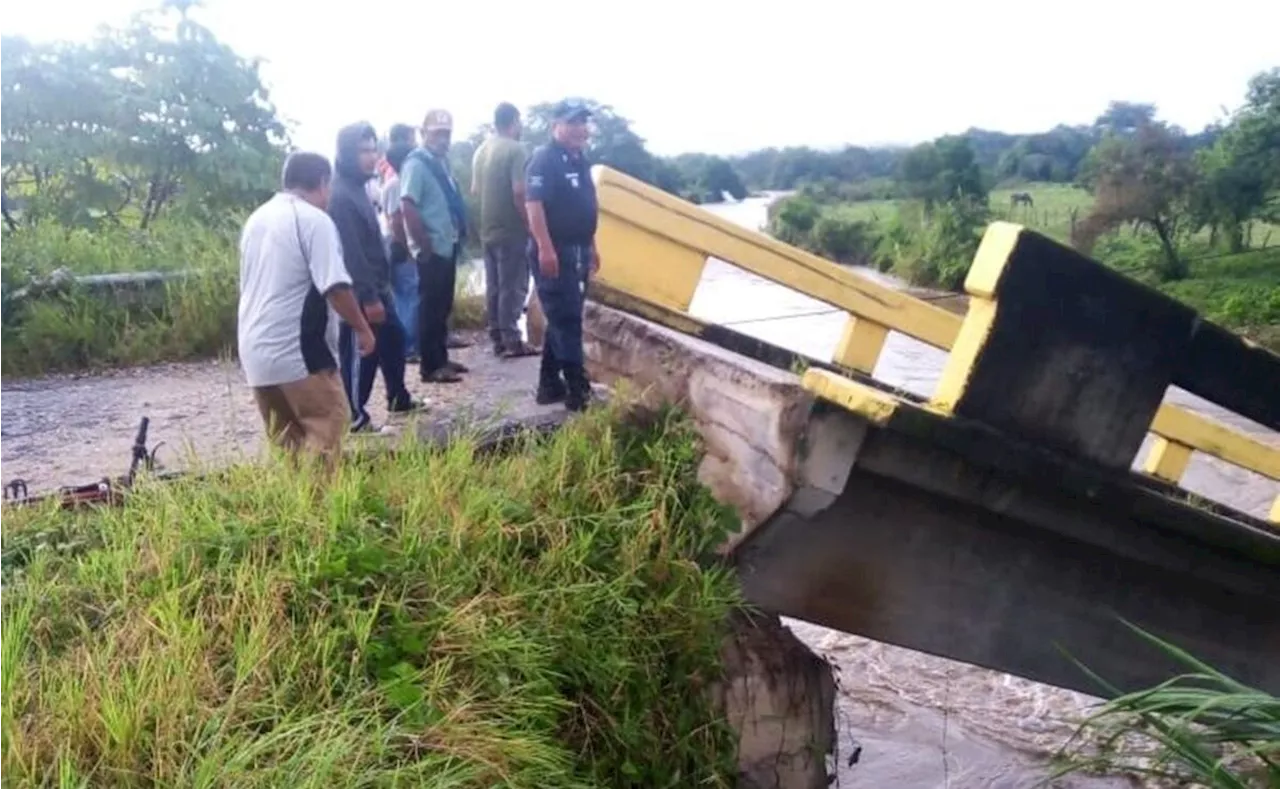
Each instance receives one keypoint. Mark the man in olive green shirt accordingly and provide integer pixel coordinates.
(497, 180)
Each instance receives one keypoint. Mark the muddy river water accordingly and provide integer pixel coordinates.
(920, 720)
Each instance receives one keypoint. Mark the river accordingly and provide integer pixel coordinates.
(923, 721)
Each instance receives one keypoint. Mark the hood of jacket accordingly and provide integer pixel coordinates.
(347, 162)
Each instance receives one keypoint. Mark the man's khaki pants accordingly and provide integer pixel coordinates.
(310, 415)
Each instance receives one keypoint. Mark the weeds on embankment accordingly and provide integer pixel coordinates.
(440, 618)
(66, 328)
(1201, 728)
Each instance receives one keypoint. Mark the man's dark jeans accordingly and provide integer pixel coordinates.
(562, 300)
(437, 277)
(388, 355)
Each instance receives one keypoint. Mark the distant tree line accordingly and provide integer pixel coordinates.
(1142, 172)
(161, 118)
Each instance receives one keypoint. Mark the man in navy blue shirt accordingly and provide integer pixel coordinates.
(560, 199)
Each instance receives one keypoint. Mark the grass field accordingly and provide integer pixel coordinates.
(1051, 215)
(440, 618)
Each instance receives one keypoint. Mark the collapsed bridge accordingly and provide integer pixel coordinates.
(998, 521)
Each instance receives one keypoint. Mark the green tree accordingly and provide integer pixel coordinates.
(199, 119)
(142, 120)
(1145, 176)
(943, 171)
(1125, 118)
(1231, 190)
(1055, 155)
(792, 219)
(705, 178)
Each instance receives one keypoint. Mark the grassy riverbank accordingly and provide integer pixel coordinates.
(438, 619)
(63, 328)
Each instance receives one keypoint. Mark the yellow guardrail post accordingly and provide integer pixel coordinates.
(1167, 460)
(860, 344)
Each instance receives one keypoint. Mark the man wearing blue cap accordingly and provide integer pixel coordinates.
(560, 200)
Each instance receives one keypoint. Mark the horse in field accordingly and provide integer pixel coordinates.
(1021, 198)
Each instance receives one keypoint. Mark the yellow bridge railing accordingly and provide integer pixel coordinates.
(1035, 321)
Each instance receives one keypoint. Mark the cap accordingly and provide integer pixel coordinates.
(437, 120)
(571, 110)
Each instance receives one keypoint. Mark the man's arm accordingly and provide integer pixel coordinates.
(412, 183)
(475, 171)
(330, 276)
(519, 164)
(395, 221)
(536, 215)
(346, 219)
(414, 228)
(536, 190)
(343, 300)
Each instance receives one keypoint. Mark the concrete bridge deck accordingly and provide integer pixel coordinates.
(996, 522)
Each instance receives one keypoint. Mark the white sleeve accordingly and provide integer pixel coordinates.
(327, 269)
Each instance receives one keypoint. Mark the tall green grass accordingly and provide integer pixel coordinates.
(188, 318)
(440, 618)
(1200, 728)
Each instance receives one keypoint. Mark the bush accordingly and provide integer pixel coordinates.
(935, 248)
(799, 221)
(437, 618)
(70, 328)
(843, 239)
(792, 218)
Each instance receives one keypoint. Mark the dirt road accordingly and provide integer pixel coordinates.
(74, 429)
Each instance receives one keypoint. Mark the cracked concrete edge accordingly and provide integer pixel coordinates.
(752, 417)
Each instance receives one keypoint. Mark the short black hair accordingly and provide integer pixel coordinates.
(505, 115)
(306, 171)
(397, 153)
(401, 132)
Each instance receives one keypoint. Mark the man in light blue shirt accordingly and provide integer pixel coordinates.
(435, 221)
(404, 270)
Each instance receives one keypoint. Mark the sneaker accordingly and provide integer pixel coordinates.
(457, 367)
(577, 401)
(520, 350)
(549, 395)
(578, 386)
(364, 425)
(409, 406)
(457, 341)
(443, 375)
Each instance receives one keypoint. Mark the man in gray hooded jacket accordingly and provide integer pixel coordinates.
(366, 261)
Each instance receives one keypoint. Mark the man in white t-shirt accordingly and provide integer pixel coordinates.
(292, 281)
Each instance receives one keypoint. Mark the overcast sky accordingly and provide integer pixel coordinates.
(729, 76)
